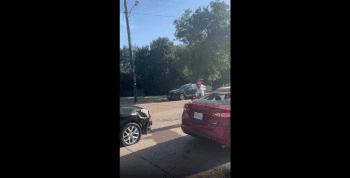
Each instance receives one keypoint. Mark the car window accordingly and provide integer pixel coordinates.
(218, 98)
(126, 110)
(183, 87)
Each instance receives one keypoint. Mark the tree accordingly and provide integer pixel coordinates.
(193, 28)
(154, 66)
(124, 63)
(161, 56)
(206, 34)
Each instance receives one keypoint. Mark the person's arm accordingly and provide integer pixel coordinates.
(197, 97)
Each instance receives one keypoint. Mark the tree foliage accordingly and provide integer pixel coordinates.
(206, 34)
(204, 54)
(124, 63)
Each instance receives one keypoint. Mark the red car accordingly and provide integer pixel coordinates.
(210, 117)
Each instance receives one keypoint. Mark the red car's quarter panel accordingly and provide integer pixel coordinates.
(214, 126)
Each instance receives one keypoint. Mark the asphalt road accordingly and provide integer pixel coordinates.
(167, 151)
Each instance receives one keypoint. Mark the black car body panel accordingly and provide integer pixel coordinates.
(189, 90)
(145, 122)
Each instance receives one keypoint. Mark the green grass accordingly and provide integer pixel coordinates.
(126, 101)
(217, 172)
(220, 172)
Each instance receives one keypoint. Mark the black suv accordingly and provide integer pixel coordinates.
(184, 92)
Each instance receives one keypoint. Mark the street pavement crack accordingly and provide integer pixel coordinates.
(166, 172)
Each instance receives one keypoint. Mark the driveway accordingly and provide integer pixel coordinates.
(165, 114)
(170, 153)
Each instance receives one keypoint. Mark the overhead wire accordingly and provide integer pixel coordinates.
(153, 15)
(162, 15)
(174, 2)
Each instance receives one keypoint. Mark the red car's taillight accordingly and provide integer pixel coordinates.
(223, 114)
(218, 114)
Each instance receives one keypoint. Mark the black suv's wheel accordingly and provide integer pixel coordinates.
(182, 97)
(131, 134)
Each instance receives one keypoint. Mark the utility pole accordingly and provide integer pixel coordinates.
(130, 50)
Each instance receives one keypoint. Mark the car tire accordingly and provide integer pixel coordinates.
(126, 139)
(182, 96)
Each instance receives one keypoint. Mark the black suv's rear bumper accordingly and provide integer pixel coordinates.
(173, 96)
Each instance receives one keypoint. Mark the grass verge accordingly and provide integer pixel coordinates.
(127, 101)
(217, 172)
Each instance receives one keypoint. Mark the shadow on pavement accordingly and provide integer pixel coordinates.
(181, 156)
(164, 128)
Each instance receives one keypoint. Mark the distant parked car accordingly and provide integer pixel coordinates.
(134, 121)
(186, 91)
(224, 89)
(209, 117)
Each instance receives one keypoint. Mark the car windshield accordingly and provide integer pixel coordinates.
(183, 87)
(217, 98)
(126, 110)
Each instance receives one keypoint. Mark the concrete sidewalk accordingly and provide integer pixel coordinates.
(136, 166)
(170, 153)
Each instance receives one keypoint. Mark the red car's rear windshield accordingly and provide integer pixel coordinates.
(221, 98)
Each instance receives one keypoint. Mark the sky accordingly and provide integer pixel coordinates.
(145, 28)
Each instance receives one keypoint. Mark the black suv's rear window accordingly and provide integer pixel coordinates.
(183, 87)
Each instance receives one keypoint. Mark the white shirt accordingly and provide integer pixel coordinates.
(199, 91)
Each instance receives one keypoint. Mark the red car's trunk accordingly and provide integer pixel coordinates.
(208, 119)
(210, 116)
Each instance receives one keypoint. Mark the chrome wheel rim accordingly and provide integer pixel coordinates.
(130, 135)
(182, 96)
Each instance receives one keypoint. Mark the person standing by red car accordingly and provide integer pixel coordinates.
(199, 92)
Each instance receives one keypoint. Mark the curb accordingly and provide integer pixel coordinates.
(147, 102)
(164, 100)
(211, 171)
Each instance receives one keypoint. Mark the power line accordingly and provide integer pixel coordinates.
(156, 15)
(153, 15)
(175, 2)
